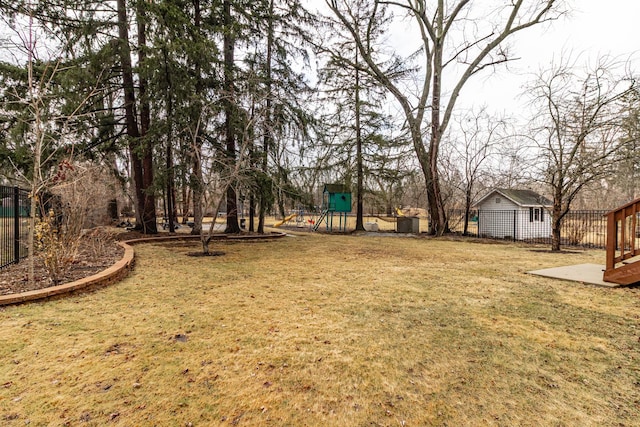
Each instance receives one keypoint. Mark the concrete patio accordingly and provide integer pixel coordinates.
(584, 273)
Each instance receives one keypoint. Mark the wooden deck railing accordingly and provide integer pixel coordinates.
(622, 244)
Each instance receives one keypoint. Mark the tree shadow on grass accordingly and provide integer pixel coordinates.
(563, 251)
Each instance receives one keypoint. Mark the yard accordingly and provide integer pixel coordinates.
(323, 330)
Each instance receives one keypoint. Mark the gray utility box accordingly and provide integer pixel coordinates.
(407, 224)
(371, 226)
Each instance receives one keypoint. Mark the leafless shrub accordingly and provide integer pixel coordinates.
(76, 191)
(574, 231)
(57, 241)
(98, 240)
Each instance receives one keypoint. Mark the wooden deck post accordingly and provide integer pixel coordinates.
(618, 223)
(612, 237)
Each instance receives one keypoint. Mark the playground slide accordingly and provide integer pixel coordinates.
(286, 219)
(391, 219)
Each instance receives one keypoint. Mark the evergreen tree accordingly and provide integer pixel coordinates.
(358, 98)
(278, 94)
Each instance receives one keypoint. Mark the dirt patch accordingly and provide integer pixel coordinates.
(202, 254)
(15, 278)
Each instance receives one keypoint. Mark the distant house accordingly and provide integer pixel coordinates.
(514, 214)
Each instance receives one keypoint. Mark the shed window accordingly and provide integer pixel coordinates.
(536, 215)
(498, 200)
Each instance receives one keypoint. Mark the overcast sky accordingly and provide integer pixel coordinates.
(594, 27)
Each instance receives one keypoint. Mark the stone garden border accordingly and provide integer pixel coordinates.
(118, 270)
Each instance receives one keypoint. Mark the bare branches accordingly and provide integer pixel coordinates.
(449, 58)
(508, 29)
(578, 131)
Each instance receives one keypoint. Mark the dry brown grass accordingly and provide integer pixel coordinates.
(328, 331)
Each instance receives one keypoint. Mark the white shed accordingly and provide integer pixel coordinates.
(514, 214)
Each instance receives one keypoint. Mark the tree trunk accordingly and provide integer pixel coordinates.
(169, 151)
(149, 223)
(555, 235)
(467, 210)
(36, 179)
(252, 212)
(360, 172)
(197, 185)
(230, 116)
(556, 222)
(424, 159)
(205, 240)
(264, 186)
(174, 199)
(233, 225)
(197, 181)
(438, 220)
(130, 111)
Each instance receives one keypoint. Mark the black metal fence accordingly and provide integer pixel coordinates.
(587, 229)
(14, 222)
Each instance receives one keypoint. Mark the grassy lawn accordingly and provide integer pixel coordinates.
(328, 331)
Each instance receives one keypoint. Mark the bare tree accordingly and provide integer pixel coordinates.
(457, 42)
(46, 129)
(480, 137)
(628, 168)
(36, 106)
(224, 175)
(578, 129)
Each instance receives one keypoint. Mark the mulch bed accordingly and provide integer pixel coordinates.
(15, 278)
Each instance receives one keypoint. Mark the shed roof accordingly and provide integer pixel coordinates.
(523, 198)
(336, 188)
